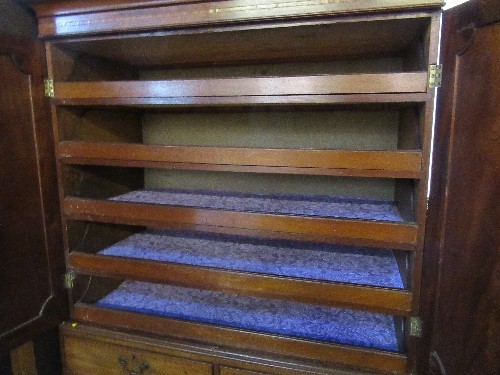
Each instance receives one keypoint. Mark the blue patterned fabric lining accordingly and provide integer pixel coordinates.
(288, 318)
(297, 205)
(277, 257)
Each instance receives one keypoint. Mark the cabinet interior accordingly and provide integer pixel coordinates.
(345, 127)
(373, 45)
(290, 199)
(126, 184)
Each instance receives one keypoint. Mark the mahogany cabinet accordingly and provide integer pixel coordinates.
(244, 184)
(247, 176)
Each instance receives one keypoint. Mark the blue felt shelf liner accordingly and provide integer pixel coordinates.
(297, 205)
(276, 257)
(288, 318)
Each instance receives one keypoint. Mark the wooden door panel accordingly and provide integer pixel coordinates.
(464, 205)
(20, 202)
(30, 241)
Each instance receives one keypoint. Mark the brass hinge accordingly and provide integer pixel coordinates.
(435, 75)
(416, 326)
(49, 88)
(69, 278)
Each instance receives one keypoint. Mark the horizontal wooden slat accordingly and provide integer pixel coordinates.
(47, 8)
(327, 353)
(382, 300)
(376, 173)
(391, 164)
(235, 101)
(384, 234)
(253, 86)
(63, 21)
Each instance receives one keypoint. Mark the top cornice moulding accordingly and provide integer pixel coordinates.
(80, 17)
(45, 8)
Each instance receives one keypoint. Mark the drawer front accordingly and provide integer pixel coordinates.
(235, 371)
(92, 357)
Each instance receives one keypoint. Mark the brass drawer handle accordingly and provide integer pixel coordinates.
(142, 367)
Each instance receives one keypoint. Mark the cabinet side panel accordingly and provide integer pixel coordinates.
(30, 224)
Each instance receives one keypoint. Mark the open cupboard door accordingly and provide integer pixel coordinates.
(463, 231)
(31, 283)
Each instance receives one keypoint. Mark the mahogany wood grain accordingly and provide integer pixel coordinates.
(307, 237)
(374, 173)
(207, 13)
(462, 262)
(426, 119)
(255, 86)
(33, 298)
(84, 356)
(274, 101)
(392, 234)
(478, 13)
(420, 196)
(382, 300)
(290, 347)
(403, 164)
(57, 7)
(220, 357)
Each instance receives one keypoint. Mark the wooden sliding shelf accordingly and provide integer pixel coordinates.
(248, 183)
(357, 163)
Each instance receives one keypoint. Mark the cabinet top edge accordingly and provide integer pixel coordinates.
(79, 17)
(52, 8)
